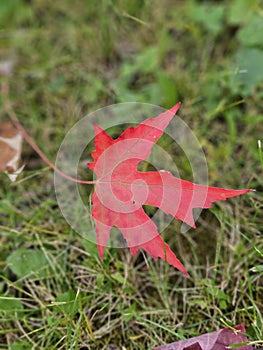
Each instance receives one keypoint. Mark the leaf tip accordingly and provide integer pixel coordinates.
(187, 274)
(175, 108)
(97, 129)
(101, 251)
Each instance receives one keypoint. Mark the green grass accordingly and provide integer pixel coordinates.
(69, 60)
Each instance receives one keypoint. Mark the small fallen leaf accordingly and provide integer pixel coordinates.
(219, 340)
(10, 150)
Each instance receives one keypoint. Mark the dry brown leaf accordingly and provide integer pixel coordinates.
(10, 150)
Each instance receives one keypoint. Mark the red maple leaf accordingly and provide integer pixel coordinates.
(121, 190)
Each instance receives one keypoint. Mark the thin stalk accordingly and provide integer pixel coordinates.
(12, 115)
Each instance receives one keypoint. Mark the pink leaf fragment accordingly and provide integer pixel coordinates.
(218, 340)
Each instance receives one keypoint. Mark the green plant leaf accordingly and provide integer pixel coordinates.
(251, 34)
(250, 69)
(210, 16)
(20, 346)
(239, 11)
(68, 303)
(118, 277)
(10, 305)
(147, 61)
(25, 262)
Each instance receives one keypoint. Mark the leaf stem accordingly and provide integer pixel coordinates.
(12, 115)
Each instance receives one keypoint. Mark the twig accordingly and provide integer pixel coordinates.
(12, 115)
